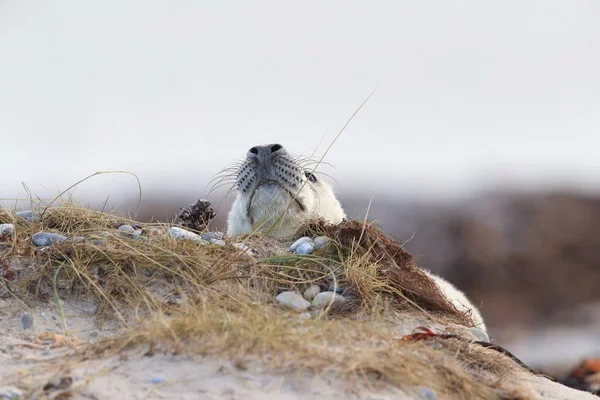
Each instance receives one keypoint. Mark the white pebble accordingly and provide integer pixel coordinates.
(300, 241)
(323, 299)
(311, 292)
(304, 248)
(293, 300)
(246, 251)
(181, 233)
(321, 241)
(10, 392)
(7, 229)
(218, 242)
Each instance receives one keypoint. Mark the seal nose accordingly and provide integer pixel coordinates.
(264, 153)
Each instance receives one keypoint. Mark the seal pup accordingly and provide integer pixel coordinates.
(276, 195)
(458, 299)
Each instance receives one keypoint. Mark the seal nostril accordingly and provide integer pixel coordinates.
(276, 147)
(254, 150)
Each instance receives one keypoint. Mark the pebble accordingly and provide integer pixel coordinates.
(29, 215)
(181, 233)
(46, 238)
(210, 236)
(480, 334)
(76, 239)
(26, 321)
(321, 241)
(126, 230)
(7, 229)
(337, 289)
(156, 380)
(304, 316)
(293, 300)
(218, 242)
(311, 292)
(246, 249)
(300, 241)
(304, 248)
(10, 393)
(323, 299)
(427, 393)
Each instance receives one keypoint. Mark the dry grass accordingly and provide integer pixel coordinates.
(211, 300)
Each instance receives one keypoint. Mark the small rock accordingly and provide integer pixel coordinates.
(10, 393)
(293, 300)
(181, 233)
(126, 230)
(304, 248)
(41, 239)
(298, 242)
(426, 393)
(26, 321)
(6, 230)
(218, 242)
(29, 215)
(337, 289)
(321, 241)
(210, 236)
(480, 334)
(156, 380)
(311, 292)
(323, 299)
(304, 316)
(75, 239)
(245, 249)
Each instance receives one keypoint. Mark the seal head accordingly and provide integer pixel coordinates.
(275, 195)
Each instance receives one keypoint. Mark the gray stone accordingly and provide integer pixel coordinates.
(126, 230)
(210, 236)
(311, 292)
(29, 215)
(300, 241)
(41, 239)
(323, 299)
(304, 248)
(293, 300)
(218, 242)
(26, 321)
(75, 239)
(426, 393)
(321, 241)
(337, 289)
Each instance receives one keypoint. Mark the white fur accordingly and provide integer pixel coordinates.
(269, 202)
(458, 299)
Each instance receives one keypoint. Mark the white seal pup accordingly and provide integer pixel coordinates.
(458, 299)
(276, 195)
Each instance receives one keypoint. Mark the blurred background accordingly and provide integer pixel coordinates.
(479, 147)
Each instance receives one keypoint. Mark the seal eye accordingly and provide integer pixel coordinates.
(310, 176)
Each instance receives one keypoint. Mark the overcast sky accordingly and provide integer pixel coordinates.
(470, 91)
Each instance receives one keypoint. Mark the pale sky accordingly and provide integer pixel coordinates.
(470, 91)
